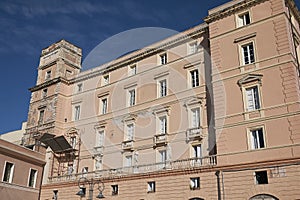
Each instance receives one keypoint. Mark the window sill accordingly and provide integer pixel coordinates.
(198, 188)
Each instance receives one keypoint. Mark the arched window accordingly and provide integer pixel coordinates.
(263, 197)
(196, 198)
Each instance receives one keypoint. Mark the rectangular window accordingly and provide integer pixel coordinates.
(193, 48)
(128, 161)
(163, 59)
(243, 19)
(194, 78)
(163, 125)
(48, 75)
(32, 178)
(115, 190)
(100, 139)
(163, 88)
(41, 116)
(248, 53)
(85, 170)
(76, 112)
(44, 93)
(8, 172)
(151, 186)
(195, 117)
(131, 97)
(106, 79)
(253, 102)
(195, 183)
(98, 163)
(73, 142)
(130, 132)
(79, 87)
(197, 152)
(261, 177)
(132, 70)
(163, 156)
(104, 106)
(257, 138)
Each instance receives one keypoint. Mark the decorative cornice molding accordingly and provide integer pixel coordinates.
(146, 52)
(250, 78)
(246, 37)
(48, 83)
(291, 4)
(231, 10)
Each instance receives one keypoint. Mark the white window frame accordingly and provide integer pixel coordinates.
(105, 79)
(162, 88)
(163, 58)
(255, 139)
(162, 156)
(34, 178)
(193, 82)
(104, 105)
(252, 98)
(192, 47)
(131, 99)
(151, 186)
(132, 70)
(77, 112)
(11, 174)
(194, 183)
(242, 52)
(128, 160)
(129, 131)
(98, 162)
(195, 117)
(196, 151)
(73, 141)
(100, 138)
(241, 20)
(163, 124)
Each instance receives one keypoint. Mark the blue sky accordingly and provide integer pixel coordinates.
(26, 27)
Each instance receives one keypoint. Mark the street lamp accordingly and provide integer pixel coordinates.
(91, 183)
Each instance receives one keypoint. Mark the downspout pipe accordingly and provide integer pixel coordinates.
(218, 185)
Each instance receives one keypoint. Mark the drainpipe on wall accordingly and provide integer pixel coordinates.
(223, 187)
(218, 185)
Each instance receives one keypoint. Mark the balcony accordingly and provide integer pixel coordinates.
(159, 140)
(98, 150)
(127, 145)
(190, 163)
(193, 134)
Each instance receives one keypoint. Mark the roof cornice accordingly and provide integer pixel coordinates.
(291, 4)
(48, 83)
(231, 9)
(146, 52)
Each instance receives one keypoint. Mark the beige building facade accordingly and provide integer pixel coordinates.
(21, 172)
(210, 113)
